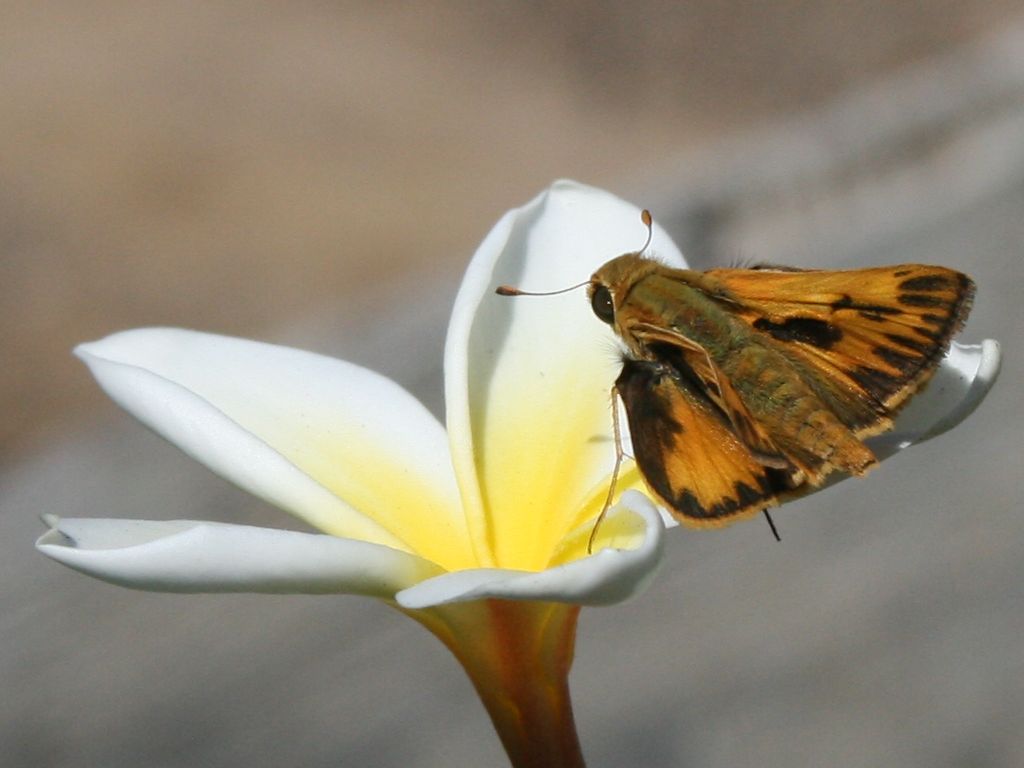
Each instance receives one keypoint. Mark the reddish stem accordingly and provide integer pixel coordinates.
(518, 655)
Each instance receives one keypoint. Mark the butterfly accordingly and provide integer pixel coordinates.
(743, 388)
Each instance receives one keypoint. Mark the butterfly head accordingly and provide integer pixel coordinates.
(609, 287)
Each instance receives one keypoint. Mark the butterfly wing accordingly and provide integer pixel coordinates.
(687, 451)
(684, 354)
(867, 339)
(842, 351)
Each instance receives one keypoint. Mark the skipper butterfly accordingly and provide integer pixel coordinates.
(746, 387)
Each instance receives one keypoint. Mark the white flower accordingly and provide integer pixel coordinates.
(503, 499)
(496, 508)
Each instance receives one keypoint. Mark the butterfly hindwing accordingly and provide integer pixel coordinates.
(687, 451)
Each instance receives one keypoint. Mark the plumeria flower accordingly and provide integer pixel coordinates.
(478, 531)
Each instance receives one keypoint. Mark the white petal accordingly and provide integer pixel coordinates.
(609, 576)
(193, 556)
(344, 448)
(527, 379)
(957, 388)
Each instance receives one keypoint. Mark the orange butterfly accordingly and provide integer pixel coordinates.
(744, 387)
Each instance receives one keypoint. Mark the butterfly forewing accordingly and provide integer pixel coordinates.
(869, 338)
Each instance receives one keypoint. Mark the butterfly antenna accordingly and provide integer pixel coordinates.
(508, 290)
(645, 217)
(771, 524)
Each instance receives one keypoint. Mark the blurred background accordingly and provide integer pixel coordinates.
(318, 174)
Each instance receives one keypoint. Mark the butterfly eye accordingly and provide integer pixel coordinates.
(601, 303)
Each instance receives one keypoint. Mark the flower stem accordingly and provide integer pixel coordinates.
(518, 655)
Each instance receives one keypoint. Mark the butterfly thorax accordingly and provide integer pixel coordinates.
(647, 294)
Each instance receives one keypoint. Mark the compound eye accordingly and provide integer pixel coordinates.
(601, 303)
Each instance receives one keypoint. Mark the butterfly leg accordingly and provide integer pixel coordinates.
(619, 453)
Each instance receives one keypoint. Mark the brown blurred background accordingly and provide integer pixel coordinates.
(319, 173)
(230, 166)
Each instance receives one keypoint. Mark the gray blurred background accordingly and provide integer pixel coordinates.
(318, 174)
